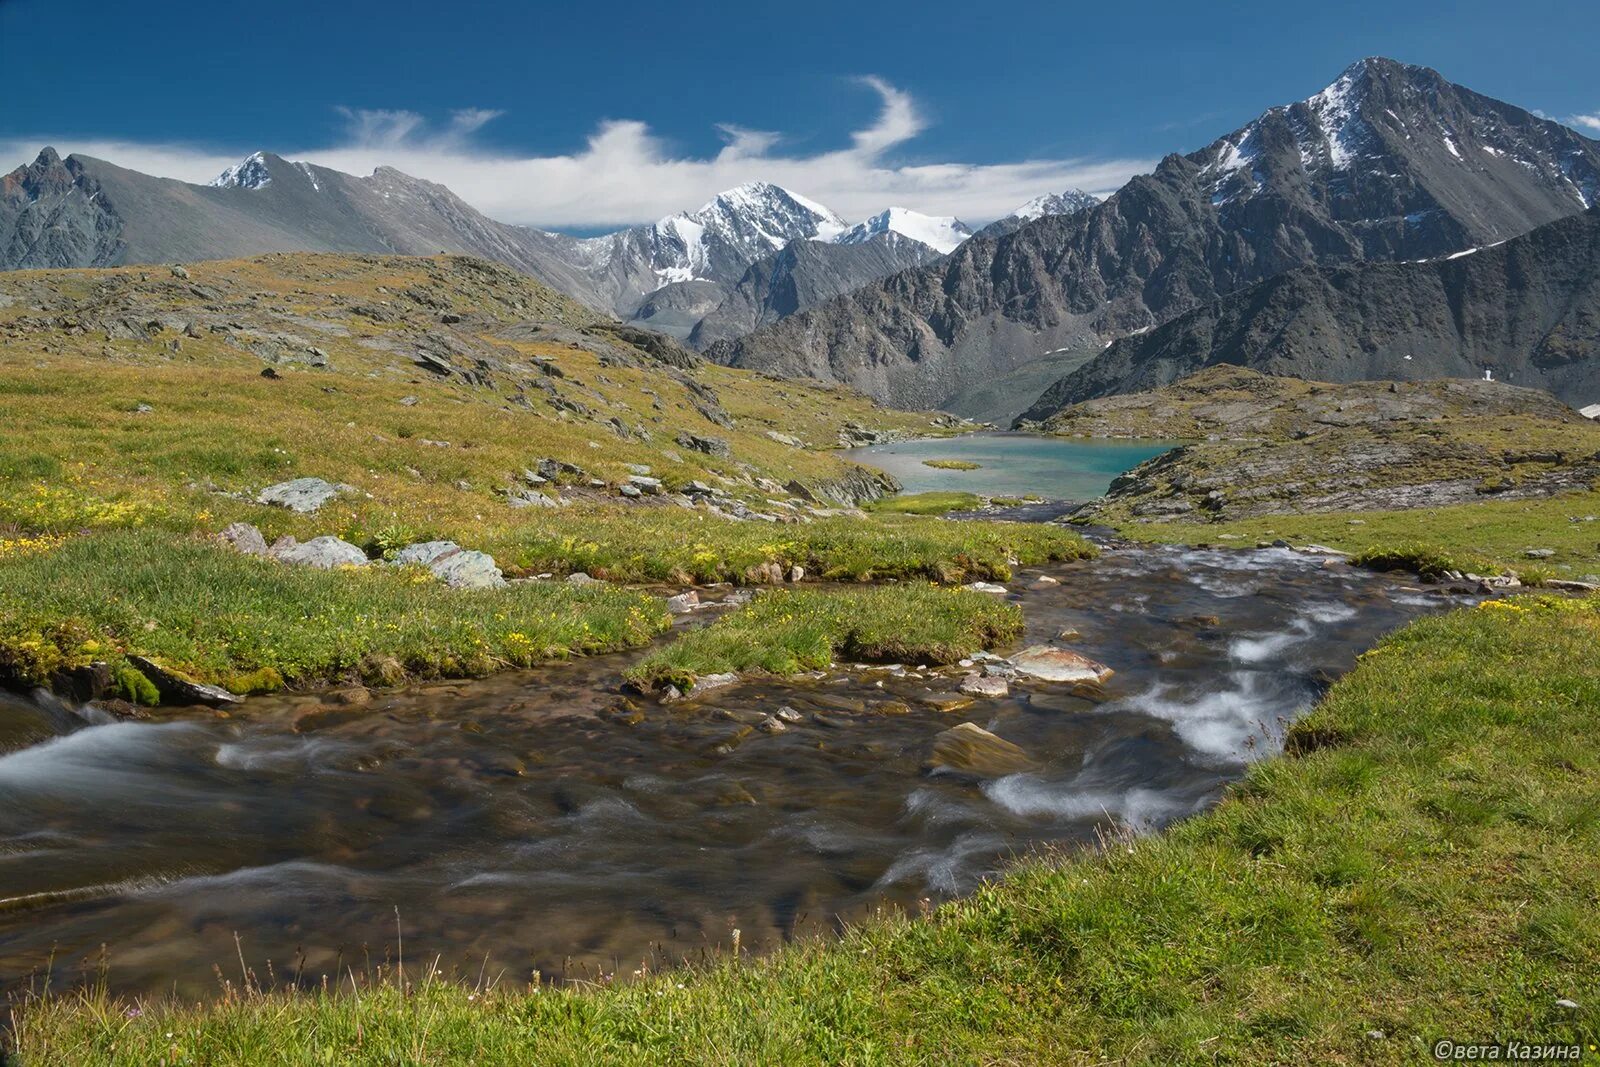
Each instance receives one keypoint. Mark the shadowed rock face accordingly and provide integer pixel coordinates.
(1528, 310)
(1391, 162)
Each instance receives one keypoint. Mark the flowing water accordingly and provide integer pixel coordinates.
(542, 821)
(1010, 464)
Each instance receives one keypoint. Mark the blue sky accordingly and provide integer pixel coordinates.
(582, 115)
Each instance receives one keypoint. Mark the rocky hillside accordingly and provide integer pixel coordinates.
(1527, 310)
(1271, 445)
(454, 384)
(1390, 162)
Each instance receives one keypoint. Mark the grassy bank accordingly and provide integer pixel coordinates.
(1492, 534)
(1427, 865)
(254, 625)
(931, 503)
(784, 632)
(673, 544)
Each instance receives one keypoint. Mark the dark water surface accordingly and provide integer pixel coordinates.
(1011, 464)
(538, 821)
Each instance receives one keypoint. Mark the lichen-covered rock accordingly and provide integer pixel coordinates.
(303, 495)
(325, 553)
(453, 565)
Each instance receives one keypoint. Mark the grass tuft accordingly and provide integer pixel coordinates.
(784, 632)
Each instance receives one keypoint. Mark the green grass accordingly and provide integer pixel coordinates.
(672, 544)
(952, 464)
(784, 632)
(934, 503)
(1427, 864)
(1493, 535)
(252, 624)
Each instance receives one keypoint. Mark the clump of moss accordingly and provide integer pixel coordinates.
(134, 687)
(952, 464)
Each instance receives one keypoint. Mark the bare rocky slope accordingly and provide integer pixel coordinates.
(1527, 311)
(1391, 162)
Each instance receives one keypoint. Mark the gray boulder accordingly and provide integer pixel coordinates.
(710, 446)
(304, 495)
(325, 553)
(243, 537)
(647, 485)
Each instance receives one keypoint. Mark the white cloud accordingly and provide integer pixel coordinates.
(1588, 122)
(625, 174)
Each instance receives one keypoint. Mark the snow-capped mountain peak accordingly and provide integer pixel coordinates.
(1067, 203)
(944, 234)
(761, 210)
(249, 173)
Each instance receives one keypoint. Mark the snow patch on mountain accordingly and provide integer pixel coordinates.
(943, 234)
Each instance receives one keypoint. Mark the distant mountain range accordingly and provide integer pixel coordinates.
(1526, 311)
(669, 275)
(1391, 162)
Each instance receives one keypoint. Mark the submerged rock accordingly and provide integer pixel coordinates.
(303, 495)
(325, 553)
(1059, 665)
(970, 749)
(176, 688)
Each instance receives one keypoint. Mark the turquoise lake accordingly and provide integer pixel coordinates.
(1012, 464)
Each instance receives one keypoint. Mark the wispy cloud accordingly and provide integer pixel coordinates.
(1585, 122)
(626, 174)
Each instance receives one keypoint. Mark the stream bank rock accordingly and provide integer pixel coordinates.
(453, 565)
(302, 495)
(1050, 664)
(175, 688)
(970, 749)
